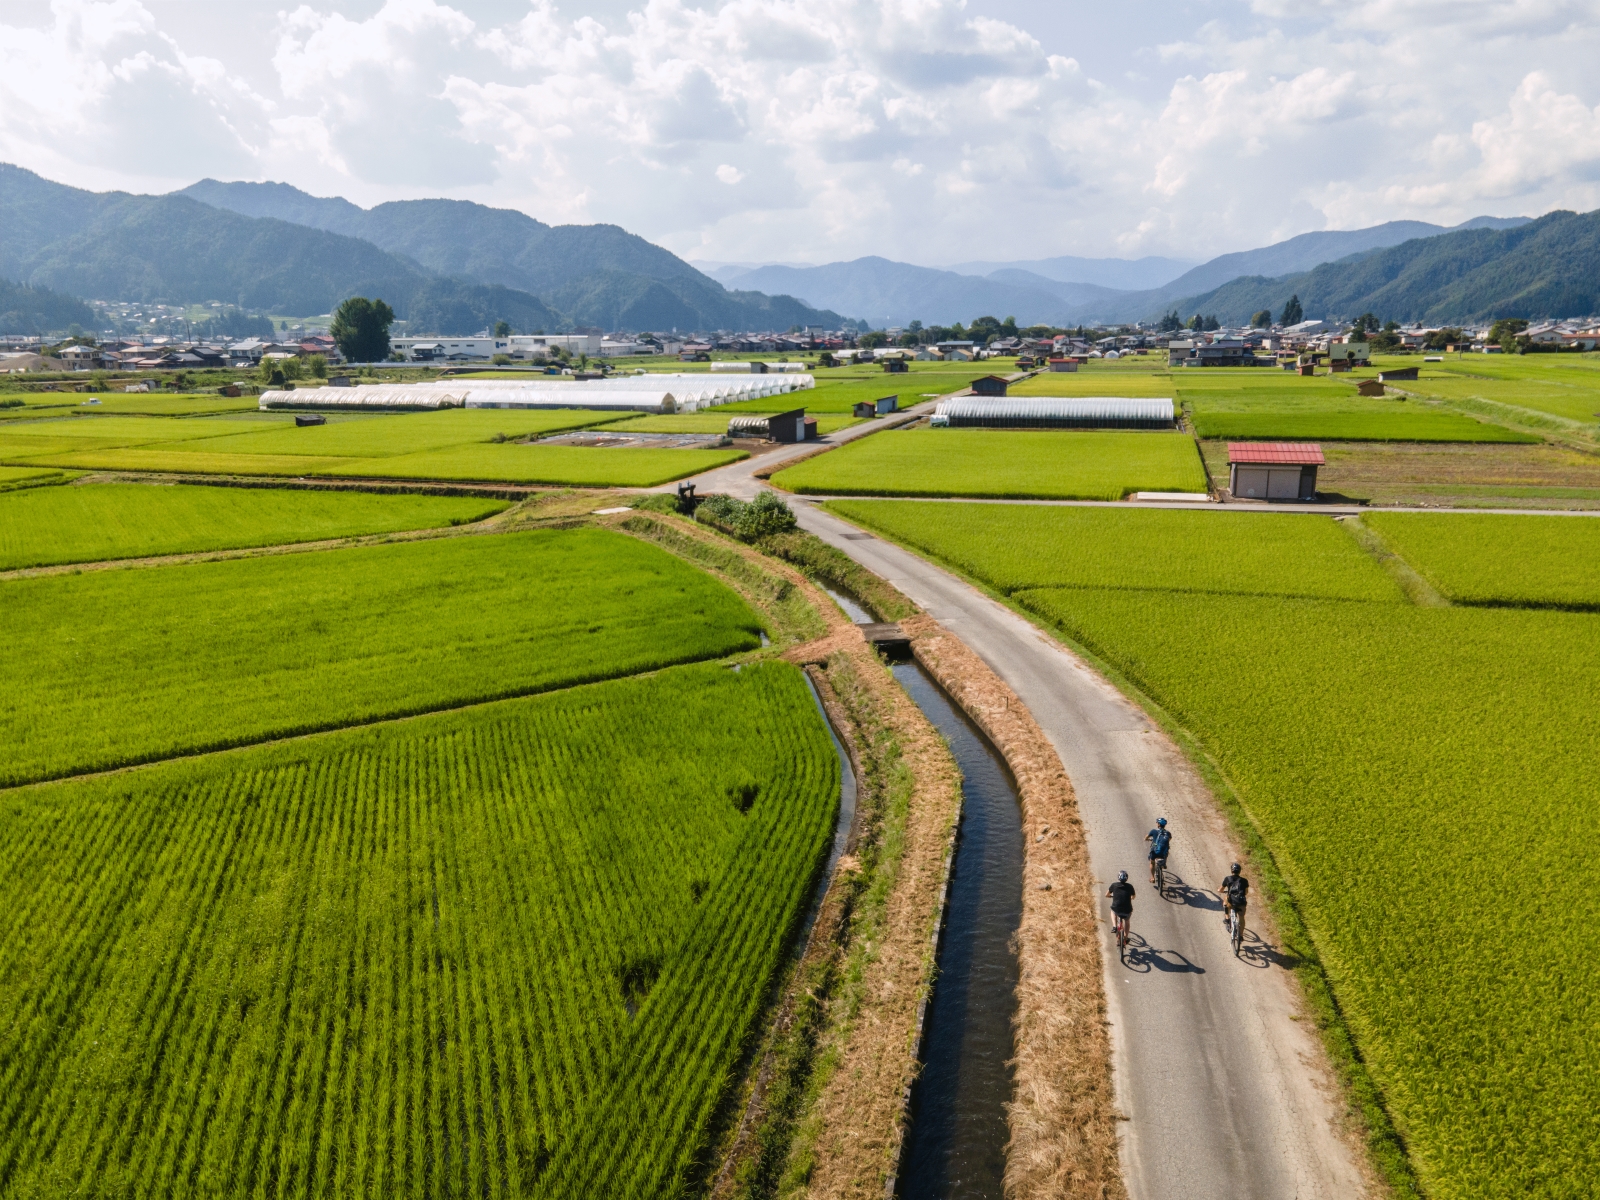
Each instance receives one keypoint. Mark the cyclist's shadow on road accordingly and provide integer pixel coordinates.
(1254, 951)
(1177, 891)
(1142, 958)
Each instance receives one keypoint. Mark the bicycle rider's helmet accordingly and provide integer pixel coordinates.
(1235, 868)
(1122, 877)
(1161, 821)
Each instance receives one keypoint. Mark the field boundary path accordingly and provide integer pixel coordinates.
(1223, 1083)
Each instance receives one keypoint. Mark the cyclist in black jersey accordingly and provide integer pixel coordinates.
(1235, 891)
(1121, 893)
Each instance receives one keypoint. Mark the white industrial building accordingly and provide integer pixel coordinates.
(521, 346)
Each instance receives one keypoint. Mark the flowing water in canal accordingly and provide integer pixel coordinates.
(956, 1144)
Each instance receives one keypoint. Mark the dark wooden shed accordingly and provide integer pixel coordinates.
(990, 385)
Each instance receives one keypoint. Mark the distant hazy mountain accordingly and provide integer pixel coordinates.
(1122, 274)
(113, 245)
(37, 311)
(597, 274)
(1549, 267)
(1067, 293)
(726, 273)
(894, 293)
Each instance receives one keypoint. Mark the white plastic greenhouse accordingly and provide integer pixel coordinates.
(1050, 412)
(643, 393)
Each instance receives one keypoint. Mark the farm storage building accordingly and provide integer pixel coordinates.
(989, 385)
(1050, 412)
(876, 408)
(792, 426)
(1273, 470)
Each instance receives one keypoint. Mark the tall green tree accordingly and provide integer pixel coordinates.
(360, 328)
(502, 329)
(1262, 320)
(1292, 314)
(1505, 331)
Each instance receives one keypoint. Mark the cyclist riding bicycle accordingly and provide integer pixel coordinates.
(1160, 839)
(1121, 894)
(1235, 891)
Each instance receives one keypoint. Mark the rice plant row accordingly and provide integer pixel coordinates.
(57, 525)
(513, 951)
(109, 668)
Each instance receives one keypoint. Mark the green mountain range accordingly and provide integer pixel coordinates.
(38, 311)
(447, 267)
(597, 274)
(1549, 267)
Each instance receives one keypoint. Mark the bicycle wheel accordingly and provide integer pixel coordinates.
(1238, 931)
(1161, 877)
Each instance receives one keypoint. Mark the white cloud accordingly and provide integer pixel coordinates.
(919, 129)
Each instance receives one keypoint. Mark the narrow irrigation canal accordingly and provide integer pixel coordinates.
(958, 1134)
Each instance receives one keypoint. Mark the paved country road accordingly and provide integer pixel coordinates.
(1226, 1093)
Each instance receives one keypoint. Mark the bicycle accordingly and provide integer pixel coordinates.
(1161, 875)
(1119, 925)
(1236, 928)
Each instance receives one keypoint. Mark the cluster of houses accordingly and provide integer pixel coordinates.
(158, 354)
(1305, 342)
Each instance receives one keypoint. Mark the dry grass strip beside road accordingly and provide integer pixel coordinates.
(850, 1142)
(1062, 1116)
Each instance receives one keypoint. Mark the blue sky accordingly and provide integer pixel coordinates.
(931, 131)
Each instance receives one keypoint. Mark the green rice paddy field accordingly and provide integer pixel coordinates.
(1417, 774)
(108, 668)
(1265, 403)
(466, 445)
(569, 466)
(453, 866)
(1002, 463)
(515, 950)
(95, 522)
(155, 404)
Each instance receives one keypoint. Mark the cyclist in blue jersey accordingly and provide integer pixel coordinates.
(1160, 839)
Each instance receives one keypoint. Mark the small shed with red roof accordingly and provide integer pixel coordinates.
(1273, 470)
